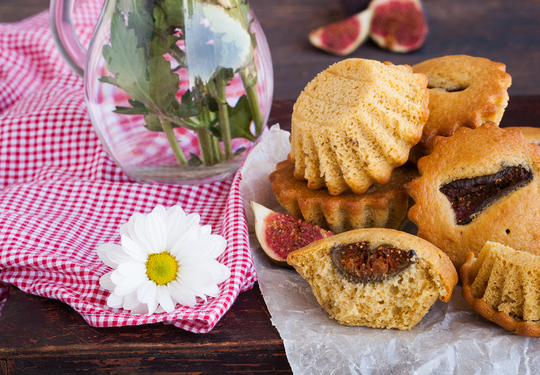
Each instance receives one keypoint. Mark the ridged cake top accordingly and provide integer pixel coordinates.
(355, 122)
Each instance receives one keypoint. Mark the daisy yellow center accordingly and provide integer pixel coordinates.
(161, 268)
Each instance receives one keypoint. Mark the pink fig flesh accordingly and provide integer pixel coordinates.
(343, 37)
(279, 233)
(398, 25)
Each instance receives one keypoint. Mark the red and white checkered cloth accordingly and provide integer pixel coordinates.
(61, 195)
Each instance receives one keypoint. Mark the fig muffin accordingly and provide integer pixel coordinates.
(463, 91)
(501, 284)
(530, 133)
(381, 206)
(355, 122)
(476, 186)
(380, 278)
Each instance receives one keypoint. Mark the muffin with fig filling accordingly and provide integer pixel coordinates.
(476, 186)
(376, 277)
(531, 134)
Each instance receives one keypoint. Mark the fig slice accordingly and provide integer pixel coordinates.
(279, 233)
(398, 25)
(361, 263)
(343, 37)
(469, 196)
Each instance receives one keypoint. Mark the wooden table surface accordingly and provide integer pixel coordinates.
(42, 336)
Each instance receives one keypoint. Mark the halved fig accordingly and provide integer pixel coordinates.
(398, 25)
(343, 37)
(279, 233)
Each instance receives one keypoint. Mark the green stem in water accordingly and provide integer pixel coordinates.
(167, 128)
(251, 94)
(217, 148)
(207, 147)
(224, 125)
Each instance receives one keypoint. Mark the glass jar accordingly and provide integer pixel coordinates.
(178, 91)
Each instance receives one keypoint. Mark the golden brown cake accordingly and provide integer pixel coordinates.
(531, 134)
(478, 185)
(380, 278)
(502, 285)
(463, 91)
(355, 122)
(382, 206)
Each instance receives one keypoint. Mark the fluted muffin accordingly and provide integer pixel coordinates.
(381, 206)
(355, 122)
(501, 284)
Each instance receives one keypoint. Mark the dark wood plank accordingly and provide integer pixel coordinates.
(500, 30)
(42, 335)
(16, 10)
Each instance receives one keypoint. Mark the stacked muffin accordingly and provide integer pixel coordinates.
(351, 127)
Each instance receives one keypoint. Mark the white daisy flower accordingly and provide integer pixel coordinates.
(166, 258)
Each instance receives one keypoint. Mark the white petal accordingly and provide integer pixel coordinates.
(184, 245)
(164, 299)
(156, 229)
(152, 306)
(131, 302)
(105, 251)
(139, 234)
(194, 276)
(116, 277)
(119, 256)
(211, 291)
(176, 225)
(206, 230)
(147, 292)
(219, 272)
(210, 246)
(129, 285)
(115, 301)
(106, 282)
(192, 220)
(181, 294)
(133, 249)
(141, 308)
(129, 269)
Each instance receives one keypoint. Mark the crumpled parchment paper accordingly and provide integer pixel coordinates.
(450, 339)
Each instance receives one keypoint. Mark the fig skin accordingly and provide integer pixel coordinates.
(343, 37)
(398, 25)
(272, 227)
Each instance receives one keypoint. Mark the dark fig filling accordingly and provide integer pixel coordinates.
(360, 263)
(471, 195)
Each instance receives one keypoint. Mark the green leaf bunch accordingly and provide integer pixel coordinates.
(143, 59)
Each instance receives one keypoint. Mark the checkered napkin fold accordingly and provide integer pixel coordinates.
(62, 196)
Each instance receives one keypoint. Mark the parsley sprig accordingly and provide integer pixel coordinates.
(144, 58)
